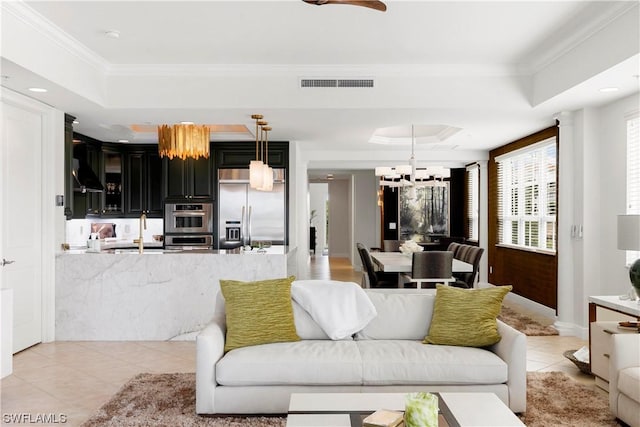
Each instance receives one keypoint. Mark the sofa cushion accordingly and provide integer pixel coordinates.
(258, 312)
(398, 362)
(306, 327)
(308, 362)
(400, 316)
(466, 317)
(629, 382)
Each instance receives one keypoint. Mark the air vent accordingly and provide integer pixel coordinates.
(318, 83)
(336, 83)
(356, 83)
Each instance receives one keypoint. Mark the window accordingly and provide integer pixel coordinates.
(633, 173)
(527, 196)
(473, 201)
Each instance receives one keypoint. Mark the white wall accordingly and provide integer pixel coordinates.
(366, 221)
(612, 135)
(599, 184)
(340, 230)
(318, 196)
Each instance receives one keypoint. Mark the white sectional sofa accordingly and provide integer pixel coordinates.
(624, 378)
(386, 356)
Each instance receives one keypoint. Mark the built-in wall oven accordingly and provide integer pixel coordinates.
(188, 224)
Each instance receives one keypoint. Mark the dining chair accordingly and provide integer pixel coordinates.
(392, 245)
(431, 267)
(376, 279)
(471, 255)
(453, 247)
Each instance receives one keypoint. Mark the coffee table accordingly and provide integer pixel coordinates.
(348, 409)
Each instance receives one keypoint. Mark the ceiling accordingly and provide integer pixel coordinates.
(495, 70)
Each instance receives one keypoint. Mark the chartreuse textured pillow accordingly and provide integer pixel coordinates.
(466, 317)
(258, 312)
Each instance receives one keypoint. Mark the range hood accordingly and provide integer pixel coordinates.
(85, 179)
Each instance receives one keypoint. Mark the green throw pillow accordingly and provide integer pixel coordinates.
(466, 317)
(258, 312)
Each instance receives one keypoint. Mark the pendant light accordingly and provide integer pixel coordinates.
(255, 166)
(267, 171)
(183, 140)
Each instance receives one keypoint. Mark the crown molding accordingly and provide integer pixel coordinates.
(315, 70)
(23, 12)
(580, 28)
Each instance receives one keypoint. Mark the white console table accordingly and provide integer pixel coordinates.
(600, 333)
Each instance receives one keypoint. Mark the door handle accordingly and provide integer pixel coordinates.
(5, 262)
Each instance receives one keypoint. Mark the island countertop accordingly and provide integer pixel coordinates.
(131, 296)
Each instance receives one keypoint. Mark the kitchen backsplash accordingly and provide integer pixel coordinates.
(78, 230)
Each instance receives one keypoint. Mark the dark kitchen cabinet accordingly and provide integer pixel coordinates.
(142, 182)
(89, 202)
(113, 175)
(189, 179)
(68, 166)
(238, 155)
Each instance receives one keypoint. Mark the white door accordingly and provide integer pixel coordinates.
(20, 221)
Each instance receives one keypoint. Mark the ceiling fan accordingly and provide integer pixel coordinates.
(372, 4)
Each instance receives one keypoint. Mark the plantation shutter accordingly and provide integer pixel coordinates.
(473, 201)
(527, 196)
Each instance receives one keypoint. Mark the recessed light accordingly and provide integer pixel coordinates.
(37, 89)
(186, 123)
(112, 34)
(123, 140)
(609, 89)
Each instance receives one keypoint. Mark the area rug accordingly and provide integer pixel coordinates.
(524, 323)
(553, 399)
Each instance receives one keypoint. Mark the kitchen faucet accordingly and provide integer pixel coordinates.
(140, 240)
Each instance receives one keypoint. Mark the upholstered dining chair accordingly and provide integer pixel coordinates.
(392, 245)
(471, 255)
(376, 279)
(431, 267)
(453, 247)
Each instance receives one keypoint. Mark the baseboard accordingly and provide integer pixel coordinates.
(564, 328)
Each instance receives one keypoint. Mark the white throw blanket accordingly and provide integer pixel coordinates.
(339, 308)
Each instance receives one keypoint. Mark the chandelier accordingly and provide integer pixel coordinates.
(183, 140)
(409, 175)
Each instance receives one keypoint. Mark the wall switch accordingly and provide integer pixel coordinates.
(127, 228)
(392, 226)
(59, 200)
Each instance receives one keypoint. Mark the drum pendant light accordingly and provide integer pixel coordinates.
(255, 166)
(267, 171)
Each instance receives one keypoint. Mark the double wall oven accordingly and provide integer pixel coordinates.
(188, 225)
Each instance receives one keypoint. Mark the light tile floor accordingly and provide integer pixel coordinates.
(76, 378)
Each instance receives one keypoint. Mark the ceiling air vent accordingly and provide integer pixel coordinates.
(309, 82)
(355, 83)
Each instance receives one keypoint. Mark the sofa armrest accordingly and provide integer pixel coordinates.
(209, 349)
(625, 349)
(512, 348)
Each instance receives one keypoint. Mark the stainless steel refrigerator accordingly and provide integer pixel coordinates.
(247, 216)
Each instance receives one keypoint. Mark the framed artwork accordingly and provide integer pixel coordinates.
(424, 218)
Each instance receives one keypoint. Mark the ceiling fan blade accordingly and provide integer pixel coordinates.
(372, 4)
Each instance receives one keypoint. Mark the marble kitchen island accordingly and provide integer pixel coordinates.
(151, 296)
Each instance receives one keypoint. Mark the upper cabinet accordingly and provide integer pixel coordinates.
(238, 155)
(130, 178)
(143, 190)
(113, 178)
(189, 179)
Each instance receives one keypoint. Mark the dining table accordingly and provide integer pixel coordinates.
(397, 262)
